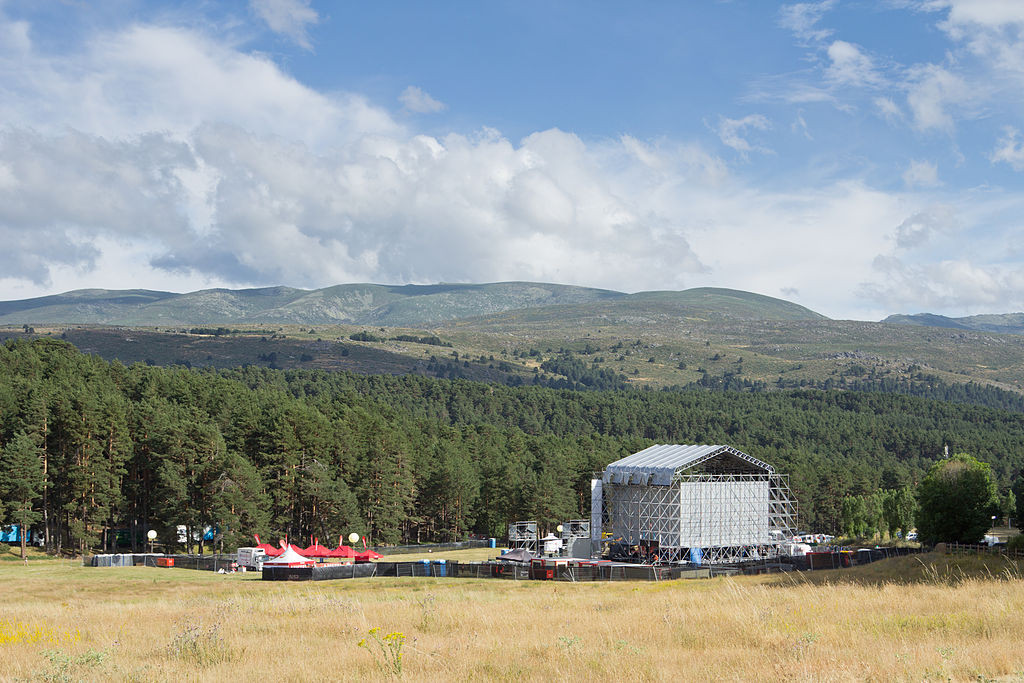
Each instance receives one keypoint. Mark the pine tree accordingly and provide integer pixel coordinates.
(21, 485)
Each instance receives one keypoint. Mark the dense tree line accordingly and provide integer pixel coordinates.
(410, 458)
(918, 384)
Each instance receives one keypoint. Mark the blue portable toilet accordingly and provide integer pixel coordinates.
(442, 568)
(492, 543)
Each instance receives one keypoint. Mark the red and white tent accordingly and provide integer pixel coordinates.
(271, 551)
(316, 550)
(367, 555)
(289, 558)
(343, 551)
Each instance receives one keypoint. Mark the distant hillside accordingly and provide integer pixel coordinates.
(1005, 323)
(699, 338)
(382, 305)
(730, 303)
(357, 304)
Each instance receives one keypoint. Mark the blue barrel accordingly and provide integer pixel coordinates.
(695, 556)
(492, 543)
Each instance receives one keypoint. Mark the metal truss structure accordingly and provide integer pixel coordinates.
(575, 528)
(523, 535)
(709, 512)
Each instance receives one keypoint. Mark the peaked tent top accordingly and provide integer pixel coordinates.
(317, 550)
(655, 466)
(288, 558)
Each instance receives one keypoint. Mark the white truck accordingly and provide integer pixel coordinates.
(251, 558)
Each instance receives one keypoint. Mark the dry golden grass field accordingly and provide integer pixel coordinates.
(933, 618)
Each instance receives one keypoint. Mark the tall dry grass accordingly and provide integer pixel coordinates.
(163, 624)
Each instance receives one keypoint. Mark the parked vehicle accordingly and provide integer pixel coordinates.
(251, 558)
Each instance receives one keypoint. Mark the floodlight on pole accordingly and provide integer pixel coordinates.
(151, 535)
(353, 538)
(559, 528)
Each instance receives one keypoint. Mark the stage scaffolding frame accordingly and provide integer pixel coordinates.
(523, 535)
(575, 528)
(727, 516)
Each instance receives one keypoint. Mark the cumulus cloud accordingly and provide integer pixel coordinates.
(732, 131)
(954, 284)
(157, 156)
(398, 210)
(159, 78)
(57, 191)
(416, 100)
(921, 227)
(255, 179)
(290, 18)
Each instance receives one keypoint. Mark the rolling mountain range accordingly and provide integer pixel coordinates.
(519, 332)
(368, 304)
(1006, 323)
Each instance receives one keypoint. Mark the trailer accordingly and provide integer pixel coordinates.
(251, 558)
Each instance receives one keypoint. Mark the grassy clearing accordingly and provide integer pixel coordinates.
(944, 618)
(469, 555)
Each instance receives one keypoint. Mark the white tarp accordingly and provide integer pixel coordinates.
(287, 558)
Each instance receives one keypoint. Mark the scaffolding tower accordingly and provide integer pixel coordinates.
(523, 535)
(698, 504)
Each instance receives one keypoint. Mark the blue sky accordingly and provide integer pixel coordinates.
(860, 158)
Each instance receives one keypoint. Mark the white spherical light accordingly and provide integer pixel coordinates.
(151, 534)
(353, 537)
(559, 528)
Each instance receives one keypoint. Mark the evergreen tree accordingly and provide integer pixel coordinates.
(899, 507)
(21, 483)
(954, 500)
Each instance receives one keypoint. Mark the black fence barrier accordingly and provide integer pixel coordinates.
(210, 563)
(120, 560)
(848, 557)
(573, 572)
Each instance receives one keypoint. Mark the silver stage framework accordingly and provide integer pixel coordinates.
(702, 504)
(523, 535)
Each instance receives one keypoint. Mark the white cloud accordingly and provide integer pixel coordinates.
(416, 100)
(850, 66)
(732, 131)
(964, 14)
(154, 78)
(949, 285)
(799, 125)
(1009, 149)
(802, 19)
(158, 157)
(992, 30)
(923, 226)
(290, 18)
(921, 174)
(57, 191)
(933, 91)
(888, 109)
